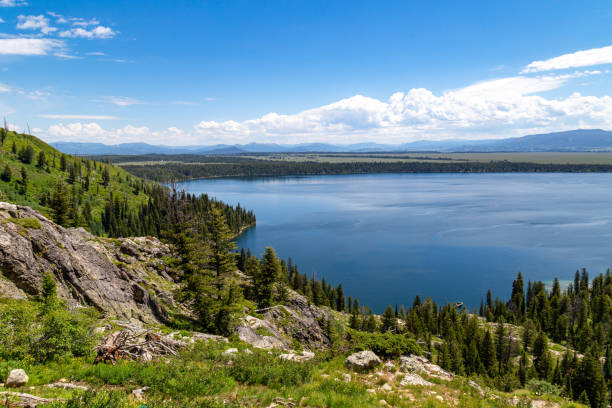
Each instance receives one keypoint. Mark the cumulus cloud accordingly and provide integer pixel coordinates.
(39, 22)
(97, 32)
(93, 132)
(29, 46)
(585, 58)
(496, 108)
(81, 22)
(78, 117)
(12, 3)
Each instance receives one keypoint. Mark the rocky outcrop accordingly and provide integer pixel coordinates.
(420, 365)
(362, 361)
(282, 325)
(16, 378)
(127, 278)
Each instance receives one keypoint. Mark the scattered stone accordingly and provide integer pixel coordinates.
(324, 375)
(386, 387)
(282, 402)
(305, 356)
(414, 379)
(247, 351)
(389, 366)
(371, 390)
(67, 385)
(230, 351)
(363, 360)
(346, 377)
(16, 378)
(439, 398)
(382, 403)
(138, 393)
(478, 388)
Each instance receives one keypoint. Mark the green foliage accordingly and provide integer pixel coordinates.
(539, 387)
(28, 222)
(265, 278)
(261, 368)
(47, 330)
(383, 344)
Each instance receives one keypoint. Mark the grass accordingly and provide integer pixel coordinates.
(28, 222)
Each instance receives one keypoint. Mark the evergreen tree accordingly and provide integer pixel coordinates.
(26, 155)
(388, 320)
(24, 180)
(59, 203)
(6, 174)
(542, 361)
(267, 277)
(41, 160)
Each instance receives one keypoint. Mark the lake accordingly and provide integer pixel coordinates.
(389, 237)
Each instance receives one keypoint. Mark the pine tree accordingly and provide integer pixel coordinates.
(340, 301)
(388, 320)
(59, 203)
(24, 180)
(6, 174)
(105, 176)
(267, 277)
(487, 353)
(41, 160)
(541, 356)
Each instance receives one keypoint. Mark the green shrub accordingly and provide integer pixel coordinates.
(539, 387)
(383, 344)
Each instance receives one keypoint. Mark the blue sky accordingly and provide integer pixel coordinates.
(195, 72)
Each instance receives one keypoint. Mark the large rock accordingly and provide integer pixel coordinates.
(420, 365)
(125, 277)
(362, 361)
(281, 326)
(16, 378)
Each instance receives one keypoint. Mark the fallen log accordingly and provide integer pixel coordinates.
(144, 346)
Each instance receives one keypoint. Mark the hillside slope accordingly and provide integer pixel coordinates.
(104, 199)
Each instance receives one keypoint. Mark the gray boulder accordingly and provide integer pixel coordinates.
(16, 378)
(363, 360)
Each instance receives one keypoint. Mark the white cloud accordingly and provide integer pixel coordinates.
(98, 32)
(209, 98)
(1, 20)
(59, 19)
(497, 108)
(585, 58)
(81, 22)
(4, 88)
(93, 132)
(79, 117)
(96, 53)
(12, 3)
(29, 46)
(119, 100)
(39, 22)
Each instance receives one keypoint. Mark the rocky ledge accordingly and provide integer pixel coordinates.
(126, 278)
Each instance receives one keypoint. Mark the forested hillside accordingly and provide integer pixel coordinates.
(103, 198)
(166, 168)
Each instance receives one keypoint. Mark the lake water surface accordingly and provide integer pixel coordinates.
(388, 237)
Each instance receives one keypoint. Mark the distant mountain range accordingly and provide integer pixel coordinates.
(579, 140)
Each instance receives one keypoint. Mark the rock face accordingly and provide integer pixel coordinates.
(282, 325)
(16, 378)
(126, 277)
(420, 365)
(362, 361)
